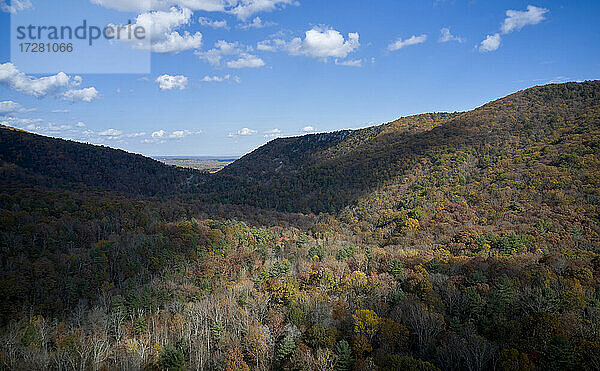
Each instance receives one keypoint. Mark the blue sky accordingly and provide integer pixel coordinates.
(228, 80)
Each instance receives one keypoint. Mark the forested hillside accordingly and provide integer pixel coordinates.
(448, 241)
(27, 158)
(325, 172)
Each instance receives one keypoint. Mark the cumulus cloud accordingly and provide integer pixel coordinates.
(515, 20)
(22, 123)
(15, 5)
(244, 9)
(60, 85)
(222, 48)
(84, 95)
(77, 131)
(203, 21)
(246, 131)
(323, 43)
(246, 61)
(168, 82)
(161, 136)
(318, 42)
(491, 43)
(161, 35)
(256, 23)
(226, 49)
(308, 129)
(9, 106)
(174, 42)
(413, 40)
(446, 36)
(180, 134)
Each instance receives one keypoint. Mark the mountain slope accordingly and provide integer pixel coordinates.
(31, 159)
(326, 172)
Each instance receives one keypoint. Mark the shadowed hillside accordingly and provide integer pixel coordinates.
(27, 158)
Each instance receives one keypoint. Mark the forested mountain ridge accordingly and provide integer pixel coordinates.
(311, 173)
(326, 172)
(27, 158)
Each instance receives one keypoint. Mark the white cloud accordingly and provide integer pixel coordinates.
(160, 23)
(246, 8)
(243, 132)
(308, 129)
(516, 20)
(111, 133)
(318, 42)
(10, 107)
(180, 134)
(17, 122)
(257, 23)
(214, 24)
(15, 5)
(234, 49)
(78, 131)
(246, 61)
(271, 45)
(273, 133)
(242, 9)
(216, 78)
(161, 35)
(60, 84)
(349, 63)
(161, 136)
(84, 95)
(176, 43)
(446, 36)
(168, 82)
(323, 43)
(246, 131)
(491, 43)
(413, 40)
(222, 48)
(38, 87)
(221, 79)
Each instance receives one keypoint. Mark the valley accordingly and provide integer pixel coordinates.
(441, 241)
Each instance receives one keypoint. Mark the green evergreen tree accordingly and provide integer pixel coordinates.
(344, 356)
(286, 348)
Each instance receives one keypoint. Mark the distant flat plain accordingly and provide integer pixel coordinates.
(203, 163)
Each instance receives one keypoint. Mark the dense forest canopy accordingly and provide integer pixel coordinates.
(453, 241)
